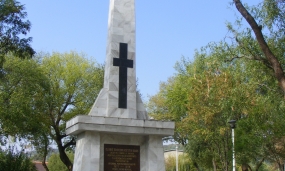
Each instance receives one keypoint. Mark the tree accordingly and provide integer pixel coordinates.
(266, 22)
(189, 101)
(205, 94)
(241, 80)
(12, 26)
(74, 83)
(41, 140)
(21, 90)
(39, 95)
(271, 17)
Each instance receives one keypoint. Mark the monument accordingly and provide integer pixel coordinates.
(117, 134)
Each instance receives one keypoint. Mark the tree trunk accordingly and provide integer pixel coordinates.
(196, 166)
(44, 150)
(259, 164)
(61, 149)
(226, 152)
(45, 166)
(214, 165)
(281, 166)
(64, 158)
(62, 154)
(246, 167)
(278, 71)
(45, 156)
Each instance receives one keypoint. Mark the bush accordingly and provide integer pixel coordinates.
(55, 164)
(13, 160)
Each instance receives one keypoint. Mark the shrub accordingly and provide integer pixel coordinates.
(13, 160)
(55, 164)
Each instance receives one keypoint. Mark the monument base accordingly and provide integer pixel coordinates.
(118, 144)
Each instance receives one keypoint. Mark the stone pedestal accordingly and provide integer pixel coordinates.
(94, 132)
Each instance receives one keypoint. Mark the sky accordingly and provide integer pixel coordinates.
(166, 30)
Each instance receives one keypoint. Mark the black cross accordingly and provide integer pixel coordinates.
(123, 63)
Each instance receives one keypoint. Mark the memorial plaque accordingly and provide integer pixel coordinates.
(121, 157)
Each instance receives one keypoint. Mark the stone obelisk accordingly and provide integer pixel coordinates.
(119, 97)
(117, 135)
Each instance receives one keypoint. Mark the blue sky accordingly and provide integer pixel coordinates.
(166, 31)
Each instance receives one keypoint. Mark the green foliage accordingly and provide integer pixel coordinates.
(21, 90)
(11, 160)
(269, 16)
(274, 14)
(55, 164)
(38, 97)
(12, 27)
(74, 83)
(230, 80)
(184, 163)
(205, 94)
(266, 117)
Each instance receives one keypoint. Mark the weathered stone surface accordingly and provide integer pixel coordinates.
(83, 123)
(89, 153)
(121, 29)
(107, 122)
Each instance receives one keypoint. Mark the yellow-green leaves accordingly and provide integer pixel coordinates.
(38, 97)
(21, 91)
(211, 90)
(75, 82)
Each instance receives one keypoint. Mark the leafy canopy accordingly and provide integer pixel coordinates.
(39, 95)
(12, 26)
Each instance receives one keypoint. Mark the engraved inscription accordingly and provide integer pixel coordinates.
(121, 157)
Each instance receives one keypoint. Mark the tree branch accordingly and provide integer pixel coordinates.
(63, 136)
(278, 71)
(71, 142)
(257, 58)
(63, 109)
(259, 163)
